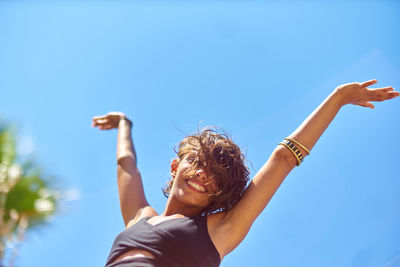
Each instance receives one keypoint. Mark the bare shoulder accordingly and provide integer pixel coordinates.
(143, 212)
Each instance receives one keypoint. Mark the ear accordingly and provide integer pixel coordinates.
(174, 167)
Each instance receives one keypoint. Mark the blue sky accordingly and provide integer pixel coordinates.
(255, 68)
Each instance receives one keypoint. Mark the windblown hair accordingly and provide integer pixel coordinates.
(219, 156)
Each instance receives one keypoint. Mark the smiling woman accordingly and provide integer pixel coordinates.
(210, 210)
(217, 164)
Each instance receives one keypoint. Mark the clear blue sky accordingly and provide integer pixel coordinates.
(256, 68)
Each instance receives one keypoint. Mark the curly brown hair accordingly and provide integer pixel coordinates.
(218, 155)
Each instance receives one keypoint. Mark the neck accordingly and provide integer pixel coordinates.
(175, 207)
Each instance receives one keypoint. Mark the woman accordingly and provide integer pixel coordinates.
(210, 210)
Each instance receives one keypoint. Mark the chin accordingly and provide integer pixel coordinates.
(191, 201)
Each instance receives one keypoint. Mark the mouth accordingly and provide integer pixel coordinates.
(195, 186)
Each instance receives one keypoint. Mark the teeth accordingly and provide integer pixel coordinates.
(198, 187)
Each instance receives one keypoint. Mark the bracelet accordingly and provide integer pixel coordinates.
(300, 145)
(295, 151)
(127, 120)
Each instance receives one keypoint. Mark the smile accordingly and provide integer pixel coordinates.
(196, 186)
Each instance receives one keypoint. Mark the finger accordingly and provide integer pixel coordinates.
(369, 83)
(99, 117)
(100, 124)
(366, 104)
(395, 94)
(100, 121)
(383, 89)
(384, 94)
(105, 127)
(390, 95)
(96, 121)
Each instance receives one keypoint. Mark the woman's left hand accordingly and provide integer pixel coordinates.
(359, 94)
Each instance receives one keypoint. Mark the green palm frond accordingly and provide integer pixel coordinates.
(27, 196)
(7, 146)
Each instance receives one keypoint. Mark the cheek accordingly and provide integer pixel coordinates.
(214, 189)
(185, 172)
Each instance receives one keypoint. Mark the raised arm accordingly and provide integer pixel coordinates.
(130, 187)
(238, 220)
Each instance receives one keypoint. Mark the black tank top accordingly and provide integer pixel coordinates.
(180, 242)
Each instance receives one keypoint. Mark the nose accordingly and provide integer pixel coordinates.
(201, 175)
(206, 180)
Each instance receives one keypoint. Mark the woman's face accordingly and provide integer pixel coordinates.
(192, 186)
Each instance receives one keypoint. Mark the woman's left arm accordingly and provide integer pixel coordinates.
(238, 220)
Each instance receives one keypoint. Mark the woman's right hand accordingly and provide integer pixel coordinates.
(109, 121)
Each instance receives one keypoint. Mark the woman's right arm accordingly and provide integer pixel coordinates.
(131, 193)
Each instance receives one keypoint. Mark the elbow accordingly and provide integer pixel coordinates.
(126, 158)
(283, 154)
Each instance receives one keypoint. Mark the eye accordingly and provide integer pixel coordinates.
(190, 159)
